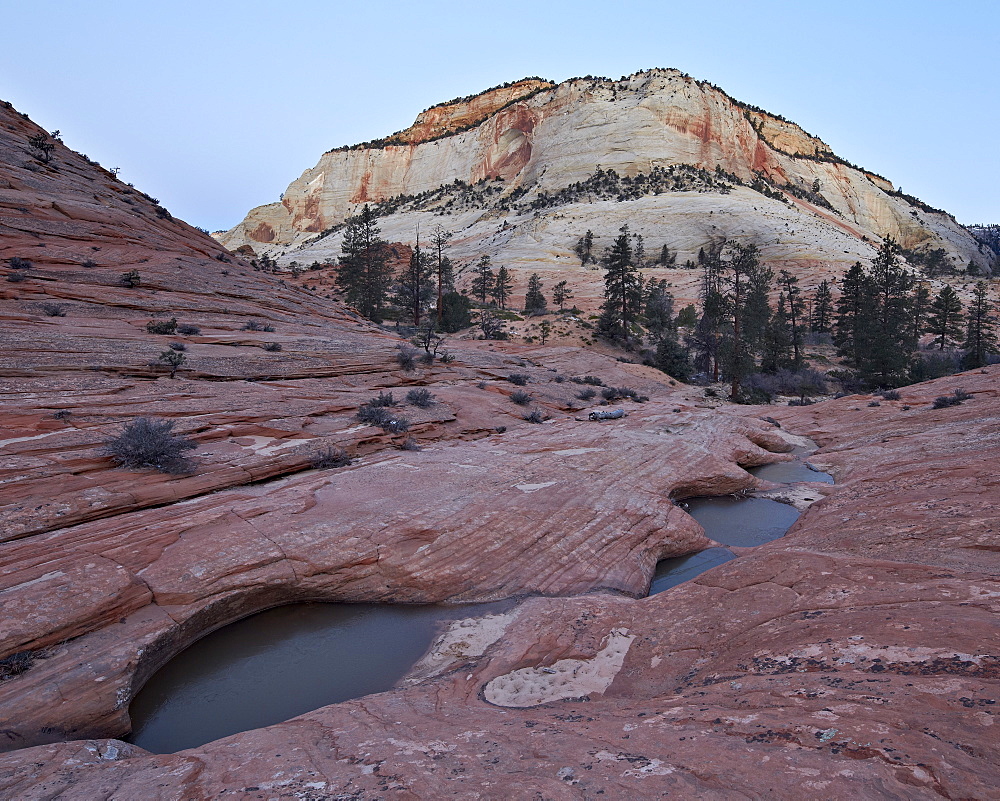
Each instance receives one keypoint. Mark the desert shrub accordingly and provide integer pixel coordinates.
(162, 326)
(15, 664)
(177, 346)
(173, 359)
(188, 330)
(371, 415)
(271, 346)
(131, 279)
(955, 399)
(253, 325)
(890, 394)
(16, 278)
(586, 394)
(52, 309)
(407, 359)
(330, 457)
(592, 380)
(762, 387)
(559, 378)
(535, 416)
(89, 264)
(396, 425)
(150, 443)
(421, 398)
(519, 379)
(874, 403)
(383, 399)
(17, 263)
(938, 364)
(410, 444)
(62, 414)
(520, 397)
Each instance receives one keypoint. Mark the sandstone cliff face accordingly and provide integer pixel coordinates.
(561, 135)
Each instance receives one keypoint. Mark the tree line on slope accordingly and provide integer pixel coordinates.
(739, 337)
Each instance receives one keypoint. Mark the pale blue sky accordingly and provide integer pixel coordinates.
(214, 107)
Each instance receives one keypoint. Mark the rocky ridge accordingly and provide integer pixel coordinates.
(501, 185)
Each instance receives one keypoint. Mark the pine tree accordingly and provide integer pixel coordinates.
(622, 290)
(560, 294)
(777, 353)
(739, 272)
(821, 319)
(364, 273)
(415, 288)
(502, 288)
(444, 271)
(483, 279)
(757, 310)
(981, 337)
(534, 300)
(667, 257)
(852, 315)
(920, 302)
(671, 357)
(584, 248)
(659, 308)
(796, 307)
(887, 348)
(946, 317)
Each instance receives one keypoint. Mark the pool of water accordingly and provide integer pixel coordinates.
(742, 521)
(737, 521)
(671, 572)
(790, 472)
(281, 663)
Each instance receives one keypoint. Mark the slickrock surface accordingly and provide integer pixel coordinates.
(552, 138)
(854, 658)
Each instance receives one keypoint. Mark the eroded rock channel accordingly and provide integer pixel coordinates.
(741, 521)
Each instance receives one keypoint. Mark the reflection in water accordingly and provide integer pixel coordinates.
(671, 572)
(742, 521)
(281, 663)
(789, 472)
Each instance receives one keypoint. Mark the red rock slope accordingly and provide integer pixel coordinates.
(856, 658)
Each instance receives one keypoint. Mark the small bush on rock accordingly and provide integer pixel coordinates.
(520, 397)
(162, 326)
(331, 457)
(52, 309)
(535, 417)
(253, 325)
(17, 263)
(586, 394)
(421, 398)
(188, 330)
(148, 443)
(519, 379)
(272, 346)
(131, 279)
(955, 399)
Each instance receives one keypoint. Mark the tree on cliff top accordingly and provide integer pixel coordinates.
(364, 274)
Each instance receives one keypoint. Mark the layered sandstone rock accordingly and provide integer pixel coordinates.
(855, 657)
(560, 135)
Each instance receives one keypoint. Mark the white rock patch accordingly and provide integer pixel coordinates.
(567, 678)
